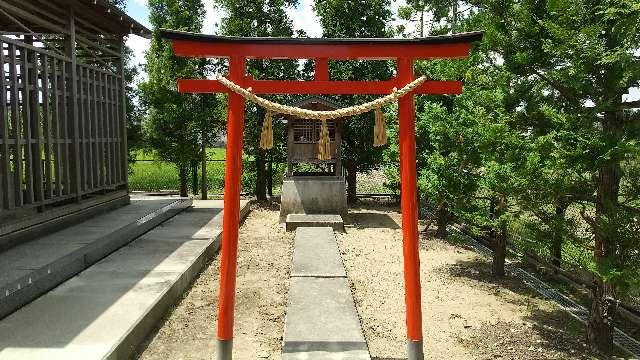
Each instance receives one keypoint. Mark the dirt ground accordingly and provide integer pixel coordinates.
(467, 314)
(264, 263)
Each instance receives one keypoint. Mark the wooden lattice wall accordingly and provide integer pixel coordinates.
(62, 127)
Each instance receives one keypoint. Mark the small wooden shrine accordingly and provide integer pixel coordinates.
(304, 135)
(313, 185)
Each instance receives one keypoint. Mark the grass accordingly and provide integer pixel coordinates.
(149, 173)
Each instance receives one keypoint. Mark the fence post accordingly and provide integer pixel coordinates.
(72, 88)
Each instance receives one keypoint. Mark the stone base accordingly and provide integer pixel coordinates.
(295, 221)
(313, 195)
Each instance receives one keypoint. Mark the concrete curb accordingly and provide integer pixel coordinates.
(28, 288)
(154, 315)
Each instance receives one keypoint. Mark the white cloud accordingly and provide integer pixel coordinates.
(139, 46)
(305, 18)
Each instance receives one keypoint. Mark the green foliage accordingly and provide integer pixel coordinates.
(175, 122)
(134, 114)
(358, 153)
(541, 124)
(565, 56)
(262, 18)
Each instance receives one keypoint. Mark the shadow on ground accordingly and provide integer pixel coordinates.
(364, 220)
(550, 331)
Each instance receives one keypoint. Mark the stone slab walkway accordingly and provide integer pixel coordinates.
(105, 311)
(322, 322)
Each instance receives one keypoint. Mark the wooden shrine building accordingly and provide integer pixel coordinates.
(303, 137)
(63, 128)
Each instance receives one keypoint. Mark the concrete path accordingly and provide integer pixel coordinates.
(33, 268)
(322, 322)
(108, 309)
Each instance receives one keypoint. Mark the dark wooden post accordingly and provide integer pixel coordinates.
(71, 85)
(270, 177)
(123, 113)
(5, 173)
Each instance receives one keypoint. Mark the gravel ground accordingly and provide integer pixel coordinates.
(466, 313)
(264, 263)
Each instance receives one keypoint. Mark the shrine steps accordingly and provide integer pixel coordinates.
(294, 221)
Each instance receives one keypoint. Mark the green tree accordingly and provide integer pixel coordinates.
(425, 12)
(262, 18)
(372, 22)
(134, 115)
(582, 54)
(172, 126)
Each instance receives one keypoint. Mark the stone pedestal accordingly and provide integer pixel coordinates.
(313, 195)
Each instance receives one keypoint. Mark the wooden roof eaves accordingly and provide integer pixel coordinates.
(50, 16)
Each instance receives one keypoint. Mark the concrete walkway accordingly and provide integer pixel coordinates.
(107, 310)
(322, 322)
(30, 269)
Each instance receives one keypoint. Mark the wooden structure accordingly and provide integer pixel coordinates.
(63, 108)
(403, 51)
(303, 137)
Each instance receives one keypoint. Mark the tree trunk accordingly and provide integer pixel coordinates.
(443, 221)
(603, 306)
(261, 176)
(351, 186)
(203, 182)
(500, 243)
(203, 151)
(270, 178)
(499, 252)
(492, 218)
(194, 177)
(556, 245)
(182, 173)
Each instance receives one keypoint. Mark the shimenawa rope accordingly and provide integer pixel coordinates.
(324, 144)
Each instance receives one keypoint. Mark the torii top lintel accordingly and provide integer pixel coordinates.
(432, 47)
(321, 50)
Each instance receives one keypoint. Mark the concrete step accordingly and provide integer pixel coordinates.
(294, 221)
(106, 311)
(31, 269)
(321, 322)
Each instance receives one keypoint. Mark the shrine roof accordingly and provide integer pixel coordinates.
(319, 100)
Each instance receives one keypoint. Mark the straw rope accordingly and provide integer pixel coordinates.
(266, 136)
(321, 115)
(324, 143)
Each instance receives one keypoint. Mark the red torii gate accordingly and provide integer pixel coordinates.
(237, 50)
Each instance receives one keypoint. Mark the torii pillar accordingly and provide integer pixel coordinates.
(404, 51)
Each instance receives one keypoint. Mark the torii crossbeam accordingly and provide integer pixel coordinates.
(238, 50)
